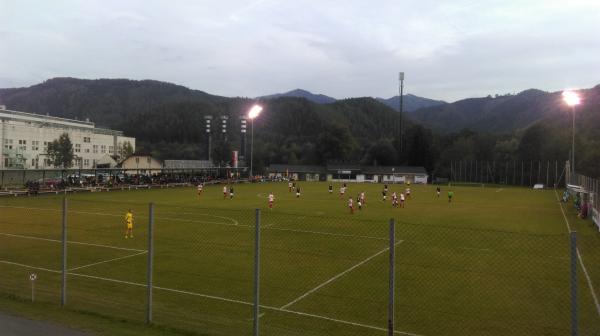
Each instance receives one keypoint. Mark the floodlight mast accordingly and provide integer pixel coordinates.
(252, 114)
(572, 99)
(401, 108)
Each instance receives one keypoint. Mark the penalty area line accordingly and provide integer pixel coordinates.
(70, 242)
(217, 298)
(106, 261)
(330, 280)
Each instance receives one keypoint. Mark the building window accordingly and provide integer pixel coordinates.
(103, 149)
(87, 150)
(111, 149)
(35, 145)
(86, 139)
(77, 148)
(95, 149)
(86, 162)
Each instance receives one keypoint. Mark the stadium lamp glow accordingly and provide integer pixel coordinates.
(254, 111)
(571, 98)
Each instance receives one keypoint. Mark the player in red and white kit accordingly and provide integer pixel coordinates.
(408, 192)
(271, 200)
(225, 192)
(200, 189)
(351, 205)
(290, 186)
(394, 200)
(342, 191)
(402, 200)
(363, 199)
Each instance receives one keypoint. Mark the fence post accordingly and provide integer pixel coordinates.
(392, 280)
(573, 237)
(256, 270)
(63, 288)
(150, 261)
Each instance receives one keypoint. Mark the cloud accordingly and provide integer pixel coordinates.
(449, 50)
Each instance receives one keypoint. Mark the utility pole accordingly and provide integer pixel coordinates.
(401, 108)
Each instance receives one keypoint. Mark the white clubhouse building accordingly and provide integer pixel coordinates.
(25, 138)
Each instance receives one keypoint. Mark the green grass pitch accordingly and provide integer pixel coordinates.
(495, 261)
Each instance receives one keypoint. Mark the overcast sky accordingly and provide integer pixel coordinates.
(448, 49)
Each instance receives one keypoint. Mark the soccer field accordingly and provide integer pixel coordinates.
(495, 261)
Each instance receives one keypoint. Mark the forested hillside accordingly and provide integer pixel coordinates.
(168, 121)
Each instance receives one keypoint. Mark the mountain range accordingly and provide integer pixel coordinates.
(168, 122)
(410, 102)
(503, 114)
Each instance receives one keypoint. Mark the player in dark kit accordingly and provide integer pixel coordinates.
(330, 189)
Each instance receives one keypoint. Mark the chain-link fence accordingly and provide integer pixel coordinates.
(189, 268)
(521, 173)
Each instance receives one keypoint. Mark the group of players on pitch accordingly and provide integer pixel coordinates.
(361, 200)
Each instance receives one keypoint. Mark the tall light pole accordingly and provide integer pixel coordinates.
(208, 120)
(253, 113)
(401, 107)
(572, 99)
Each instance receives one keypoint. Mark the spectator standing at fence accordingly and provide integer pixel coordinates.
(129, 223)
(450, 194)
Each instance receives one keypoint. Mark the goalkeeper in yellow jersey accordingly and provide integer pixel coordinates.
(129, 223)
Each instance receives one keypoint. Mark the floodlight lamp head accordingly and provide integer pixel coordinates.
(254, 111)
(571, 98)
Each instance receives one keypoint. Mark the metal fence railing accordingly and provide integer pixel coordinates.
(586, 193)
(247, 272)
(60, 179)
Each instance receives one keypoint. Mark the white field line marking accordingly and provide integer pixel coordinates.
(475, 249)
(28, 266)
(71, 242)
(328, 233)
(335, 277)
(105, 261)
(142, 216)
(499, 190)
(233, 221)
(589, 281)
(208, 222)
(344, 322)
(218, 298)
(587, 276)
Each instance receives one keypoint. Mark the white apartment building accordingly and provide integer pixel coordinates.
(25, 138)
